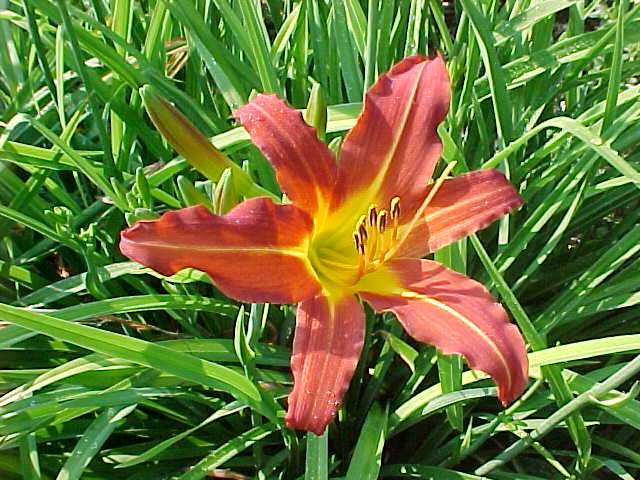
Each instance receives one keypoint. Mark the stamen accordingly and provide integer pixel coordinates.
(360, 248)
(364, 235)
(373, 247)
(373, 216)
(382, 221)
(358, 242)
(394, 208)
(372, 242)
(425, 204)
(381, 227)
(373, 222)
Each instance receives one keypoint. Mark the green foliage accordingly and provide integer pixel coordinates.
(109, 370)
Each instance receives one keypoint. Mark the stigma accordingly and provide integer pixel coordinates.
(375, 233)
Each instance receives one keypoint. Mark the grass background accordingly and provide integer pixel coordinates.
(110, 371)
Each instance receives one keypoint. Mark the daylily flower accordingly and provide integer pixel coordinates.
(356, 230)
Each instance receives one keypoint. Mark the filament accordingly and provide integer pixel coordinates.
(424, 205)
(373, 242)
(381, 228)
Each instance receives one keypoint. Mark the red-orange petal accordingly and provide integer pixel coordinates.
(327, 344)
(463, 205)
(255, 253)
(457, 315)
(394, 146)
(305, 167)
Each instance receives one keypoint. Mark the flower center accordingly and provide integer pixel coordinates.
(375, 234)
(332, 255)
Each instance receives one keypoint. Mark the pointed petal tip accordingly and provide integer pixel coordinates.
(305, 167)
(326, 348)
(508, 393)
(252, 254)
(394, 146)
(317, 426)
(435, 56)
(127, 237)
(130, 237)
(243, 110)
(497, 177)
(437, 63)
(457, 315)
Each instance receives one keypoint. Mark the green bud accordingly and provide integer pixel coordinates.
(246, 168)
(62, 219)
(225, 196)
(142, 185)
(190, 194)
(189, 142)
(335, 145)
(241, 344)
(316, 113)
(140, 214)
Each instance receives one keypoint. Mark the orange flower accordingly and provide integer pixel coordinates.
(356, 230)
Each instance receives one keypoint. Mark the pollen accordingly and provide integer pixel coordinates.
(362, 229)
(382, 221)
(394, 208)
(373, 235)
(373, 215)
(358, 241)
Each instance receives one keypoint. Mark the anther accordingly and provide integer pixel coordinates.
(395, 208)
(425, 203)
(358, 242)
(382, 221)
(373, 216)
(362, 230)
(381, 227)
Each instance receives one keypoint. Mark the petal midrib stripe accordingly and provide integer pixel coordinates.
(460, 205)
(251, 250)
(470, 324)
(377, 182)
(305, 166)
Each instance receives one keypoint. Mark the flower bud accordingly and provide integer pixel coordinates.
(225, 196)
(316, 113)
(190, 195)
(189, 142)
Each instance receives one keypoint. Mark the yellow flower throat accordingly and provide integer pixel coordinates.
(338, 264)
(377, 236)
(372, 238)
